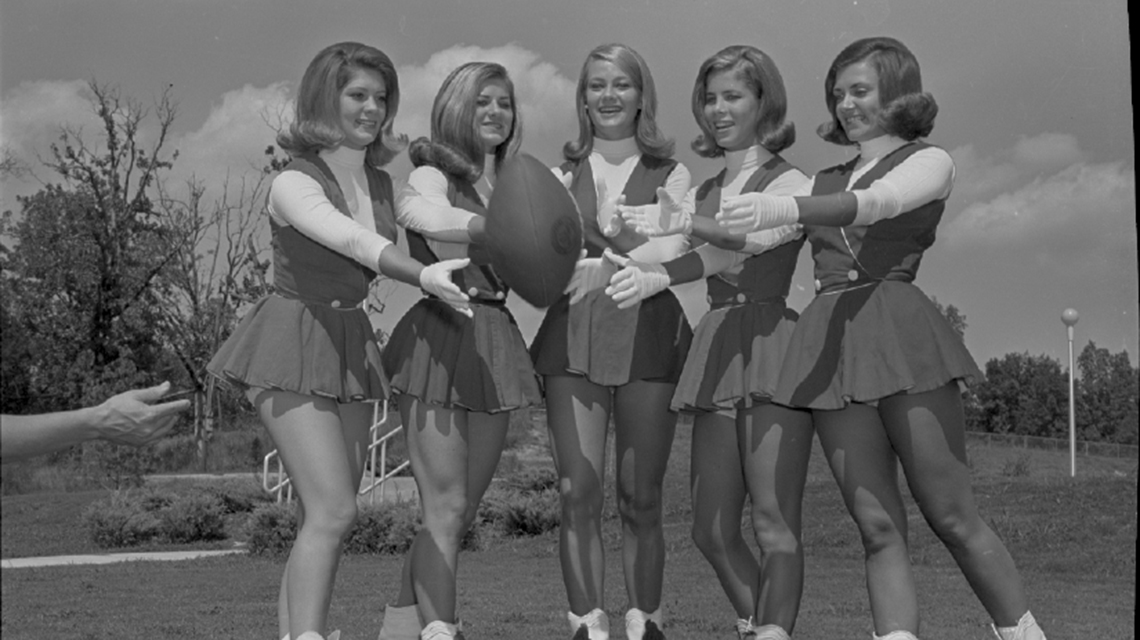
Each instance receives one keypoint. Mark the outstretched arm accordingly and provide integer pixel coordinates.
(127, 418)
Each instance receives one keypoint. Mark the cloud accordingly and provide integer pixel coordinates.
(984, 177)
(546, 97)
(34, 112)
(233, 138)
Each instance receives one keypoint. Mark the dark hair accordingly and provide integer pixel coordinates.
(907, 111)
(316, 124)
(455, 147)
(650, 140)
(760, 74)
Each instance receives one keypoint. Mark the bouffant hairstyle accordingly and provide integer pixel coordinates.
(650, 140)
(316, 123)
(455, 147)
(907, 112)
(759, 74)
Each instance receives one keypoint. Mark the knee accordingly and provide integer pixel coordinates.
(640, 511)
(447, 516)
(581, 499)
(774, 534)
(955, 529)
(331, 518)
(709, 538)
(880, 533)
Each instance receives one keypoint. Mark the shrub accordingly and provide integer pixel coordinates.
(121, 521)
(533, 480)
(522, 513)
(130, 518)
(237, 497)
(271, 529)
(192, 517)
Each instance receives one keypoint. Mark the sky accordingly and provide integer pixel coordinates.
(1034, 97)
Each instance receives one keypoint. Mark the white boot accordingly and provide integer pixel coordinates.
(1026, 629)
(896, 635)
(745, 630)
(401, 623)
(640, 625)
(596, 624)
(440, 630)
(771, 632)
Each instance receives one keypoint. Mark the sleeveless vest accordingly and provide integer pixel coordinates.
(764, 276)
(890, 249)
(306, 270)
(641, 188)
(478, 279)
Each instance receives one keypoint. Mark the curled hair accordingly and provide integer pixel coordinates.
(650, 140)
(907, 111)
(455, 147)
(759, 74)
(316, 123)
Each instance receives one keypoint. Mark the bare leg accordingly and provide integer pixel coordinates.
(718, 494)
(866, 470)
(319, 448)
(928, 433)
(577, 413)
(644, 429)
(775, 445)
(444, 458)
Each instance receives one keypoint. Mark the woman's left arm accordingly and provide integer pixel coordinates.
(925, 176)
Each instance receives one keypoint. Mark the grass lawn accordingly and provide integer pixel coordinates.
(1074, 541)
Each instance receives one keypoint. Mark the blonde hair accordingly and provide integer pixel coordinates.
(759, 74)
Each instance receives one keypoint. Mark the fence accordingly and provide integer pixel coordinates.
(1084, 447)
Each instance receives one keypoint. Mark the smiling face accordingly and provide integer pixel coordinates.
(494, 114)
(857, 103)
(612, 100)
(731, 110)
(363, 107)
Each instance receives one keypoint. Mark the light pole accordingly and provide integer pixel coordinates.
(1070, 317)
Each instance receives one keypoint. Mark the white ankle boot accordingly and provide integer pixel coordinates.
(896, 635)
(770, 632)
(596, 623)
(1026, 629)
(640, 625)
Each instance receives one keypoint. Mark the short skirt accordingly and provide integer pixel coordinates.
(304, 347)
(611, 346)
(868, 343)
(736, 357)
(442, 357)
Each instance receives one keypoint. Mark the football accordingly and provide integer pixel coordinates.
(534, 231)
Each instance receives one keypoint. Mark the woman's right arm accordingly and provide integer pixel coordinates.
(423, 206)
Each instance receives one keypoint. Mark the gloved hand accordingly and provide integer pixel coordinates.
(754, 211)
(636, 281)
(436, 279)
(589, 274)
(608, 219)
(665, 218)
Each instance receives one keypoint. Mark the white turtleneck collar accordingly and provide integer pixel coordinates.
(746, 159)
(616, 150)
(876, 148)
(344, 156)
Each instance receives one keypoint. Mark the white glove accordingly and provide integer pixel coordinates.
(589, 274)
(636, 281)
(608, 219)
(753, 211)
(665, 218)
(436, 280)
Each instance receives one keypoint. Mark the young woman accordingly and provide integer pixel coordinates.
(307, 354)
(871, 356)
(458, 377)
(596, 359)
(743, 445)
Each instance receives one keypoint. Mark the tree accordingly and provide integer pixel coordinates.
(81, 281)
(218, 268)
(1024, 394)
(956, 318)
(1106, 395)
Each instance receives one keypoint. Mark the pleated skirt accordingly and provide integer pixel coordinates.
(736, 357)
(306, 348)
(868, 343)
(441, 357)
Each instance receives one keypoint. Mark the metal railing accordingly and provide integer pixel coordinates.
(377, 472)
